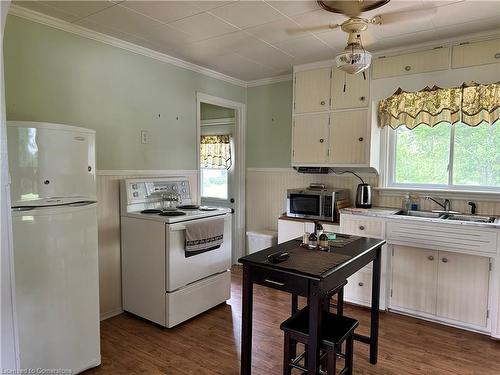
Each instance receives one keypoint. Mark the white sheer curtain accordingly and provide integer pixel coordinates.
(8, 332)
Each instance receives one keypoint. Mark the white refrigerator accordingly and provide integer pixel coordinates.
(53, 193)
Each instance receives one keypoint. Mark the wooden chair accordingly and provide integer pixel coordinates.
(336, 330)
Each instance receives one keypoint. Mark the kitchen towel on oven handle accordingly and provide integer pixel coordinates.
(203, 236)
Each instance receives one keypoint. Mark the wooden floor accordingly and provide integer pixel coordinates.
(209, 343)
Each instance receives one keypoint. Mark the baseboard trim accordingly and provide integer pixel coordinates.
(110, 314)
(145, 172)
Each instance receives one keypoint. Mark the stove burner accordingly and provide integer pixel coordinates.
(151, 211)
(188, 207)
(205, 208)
(172, 213)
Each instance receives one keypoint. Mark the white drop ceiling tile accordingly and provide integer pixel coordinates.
(465, 12)
(216, 46)
(276, 31)
(168, 37)
(239, 66)
(203, 26)
(80, 9)
(103, 29)
(318, 18)
(126, 20)
(40, 7)
(164, 11)
(293, 8)
(208, 5)
(304, 47)
(264, 54)
(247, 13)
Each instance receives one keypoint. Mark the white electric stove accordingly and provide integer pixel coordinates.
(159, 282)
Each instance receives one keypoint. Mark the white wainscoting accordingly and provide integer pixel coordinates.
(266, 192)
(108, 218)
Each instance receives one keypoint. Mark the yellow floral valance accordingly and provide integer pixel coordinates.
(215, 151)
(470, 104)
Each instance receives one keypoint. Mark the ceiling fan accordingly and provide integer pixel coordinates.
(355, 58)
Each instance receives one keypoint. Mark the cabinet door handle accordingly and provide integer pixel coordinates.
(444, 260)
(361, 284)
(322, 102)
(360, 139)
(321, 140)
(407, 68)
(362, 98)
(361, 227)
(497, 55)
(430, 257)
(279, 283)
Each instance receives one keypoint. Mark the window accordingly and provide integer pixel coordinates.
(214, 183)
(445, 156)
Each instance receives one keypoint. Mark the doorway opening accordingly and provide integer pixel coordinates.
(221, 161)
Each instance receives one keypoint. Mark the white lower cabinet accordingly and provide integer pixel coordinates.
(359, 287)
(451, 286)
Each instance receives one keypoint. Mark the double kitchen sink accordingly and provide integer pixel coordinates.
(447, 215)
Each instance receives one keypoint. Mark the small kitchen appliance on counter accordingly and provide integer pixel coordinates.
(364, 196)
(315, 202)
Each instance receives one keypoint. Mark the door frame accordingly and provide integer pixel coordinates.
(240, 156)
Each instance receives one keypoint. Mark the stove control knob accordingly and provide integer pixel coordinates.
(174, 187)
(136, 194)
(134, 186)
(183, 190)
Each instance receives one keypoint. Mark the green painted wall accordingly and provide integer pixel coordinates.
(55, 76)
(210, 112)
(269, 122)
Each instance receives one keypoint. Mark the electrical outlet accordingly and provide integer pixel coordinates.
(144, 137)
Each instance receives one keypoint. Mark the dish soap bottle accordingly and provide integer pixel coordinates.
(406, 202)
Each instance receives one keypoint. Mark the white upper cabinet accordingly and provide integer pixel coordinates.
(471, 54)
(411, 63)
(349, 136)
(312, 90)
(310, 139)
(350, 91)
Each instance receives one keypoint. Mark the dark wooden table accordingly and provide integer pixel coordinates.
(316, 287)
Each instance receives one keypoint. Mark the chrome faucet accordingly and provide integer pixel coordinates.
(446, 205)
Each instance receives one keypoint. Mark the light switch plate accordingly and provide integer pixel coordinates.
(144, 137)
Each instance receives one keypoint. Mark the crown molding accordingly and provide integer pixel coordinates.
(270, 80)
(56, 23)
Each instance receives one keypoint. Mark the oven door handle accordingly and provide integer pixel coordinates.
(174, 228)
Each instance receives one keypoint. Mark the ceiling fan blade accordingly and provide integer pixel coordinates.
(406, 15)
(312, 29)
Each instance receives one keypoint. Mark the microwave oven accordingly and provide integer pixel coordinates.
(317, 204)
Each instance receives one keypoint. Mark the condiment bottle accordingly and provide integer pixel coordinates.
(318, 229)
(305, 238)
(323, 241)
(313, 240)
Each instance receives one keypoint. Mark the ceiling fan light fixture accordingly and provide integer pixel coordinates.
(353, 60)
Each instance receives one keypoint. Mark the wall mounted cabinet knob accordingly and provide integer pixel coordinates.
(361, 284)
(360, 139)
(497, 55)
(361, 227)
(407, 68)
(322, 102)
(430, 257)
(444, 260)
(321, 140)
(362, 98)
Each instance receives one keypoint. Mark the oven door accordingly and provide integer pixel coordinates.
(181, 271)
(304, 205)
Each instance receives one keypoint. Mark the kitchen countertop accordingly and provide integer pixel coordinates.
(302, 219)
(389, 213)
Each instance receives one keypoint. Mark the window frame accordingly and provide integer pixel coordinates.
(391, 142)
(214, 199)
